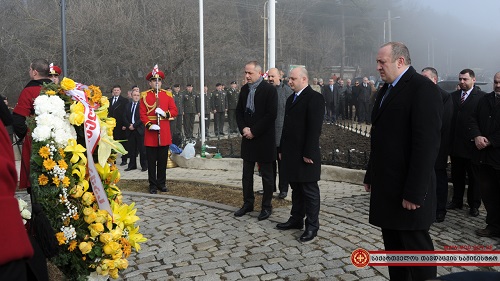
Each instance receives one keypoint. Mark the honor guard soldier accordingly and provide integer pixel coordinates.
(189, 99)
(54, 73)
(156, 107)
(232, 101)
(208, 108)
(219, 108)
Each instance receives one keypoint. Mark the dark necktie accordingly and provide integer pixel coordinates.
(462, 98)
(385, 94)
(114, 100)
(294, 97)
(133, 112)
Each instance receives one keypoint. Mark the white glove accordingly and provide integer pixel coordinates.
(160, 112)
(154, 127)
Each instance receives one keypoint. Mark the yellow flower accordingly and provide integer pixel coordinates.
(126, 247)
(124, 215)
(96, 229)
(76, 119)
(113, 273)
(122, 263)
(61, 238)
(44, 152)
(88, 198)
(117, 233)
(76, 191)
(118, 254)
(72, 245)
(106, 238)
(134, 237)
(50, 92)
(96, 93)
(66, 182)
(61, 152)
(67, 84)
(56, 180)
(62, 164)
(85, 247)
(102, 216)
(77, 150)
(49, 164)
(43, 179)
(104, 102)
(76, 217)
(111, 248)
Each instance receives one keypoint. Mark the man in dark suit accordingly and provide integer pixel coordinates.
(405, 138)
(328, 96)
(116, 110)
(464, 103)
(365, 92)
(300, 154)
(135, 132)
(444, 148)
(255, 114)
(484, 129)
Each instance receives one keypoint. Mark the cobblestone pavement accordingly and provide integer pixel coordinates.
(192, 239)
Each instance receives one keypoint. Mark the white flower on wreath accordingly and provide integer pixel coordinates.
(51, 121)
(23, 209)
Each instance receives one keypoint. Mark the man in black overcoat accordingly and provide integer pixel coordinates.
(300, 153)
(405, 138)
(255, 115)
(135, 132)
(465, 102)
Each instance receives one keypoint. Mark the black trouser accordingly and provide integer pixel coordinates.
(178, 125)
(157, 166)
(441, 190)
(14, 270)
(489, 180)
(231, 119)
(188, 125)
(341, 109)
(305, 203)
(266, 171)
(363, 111)
(135, 145)
(460, 169)
(409, 240)
(283, 181)
(219, 123)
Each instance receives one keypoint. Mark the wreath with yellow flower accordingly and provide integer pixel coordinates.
(92, 240)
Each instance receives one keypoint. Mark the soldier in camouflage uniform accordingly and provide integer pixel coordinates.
(219, 108)
(189, 99)
(232, 101)
(208, 108)
(176, 124)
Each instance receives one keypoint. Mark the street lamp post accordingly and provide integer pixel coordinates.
(389, 26)
(265, 37)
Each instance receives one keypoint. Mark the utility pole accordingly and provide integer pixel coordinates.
(271, 35)
(63, 36)
(342, 62)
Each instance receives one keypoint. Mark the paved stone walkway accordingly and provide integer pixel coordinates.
(198, 240)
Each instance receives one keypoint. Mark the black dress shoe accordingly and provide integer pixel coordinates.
(440, 217)
(487, 232)
(264, 214)
(123, 163)
(474, 212)
(282, 195)
(308, 236)
(241, 212)
(152, 191)
(163, 189)
(290, 225)
(144, 169)
(129, 169)
(452, 205)
(222, 134)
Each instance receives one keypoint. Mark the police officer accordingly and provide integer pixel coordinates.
(232, 101)
(189, 104)
(219, 108)
(208, 108)
(176, 124)
(156, 107)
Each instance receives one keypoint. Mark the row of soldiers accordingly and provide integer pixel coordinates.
(218, 103)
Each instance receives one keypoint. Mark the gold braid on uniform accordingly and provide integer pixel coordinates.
(151, 107)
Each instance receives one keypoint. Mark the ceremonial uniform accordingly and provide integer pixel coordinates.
(189, 104)
(219, 106)
(232, 101)
(157, 136)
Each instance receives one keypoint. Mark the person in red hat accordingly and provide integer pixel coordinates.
(54, 73)
(156, 107)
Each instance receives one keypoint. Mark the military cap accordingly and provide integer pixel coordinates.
(218, 84)
(177, 86)
(54, 70)
(189, 85)
(157, 75)
(233, 82)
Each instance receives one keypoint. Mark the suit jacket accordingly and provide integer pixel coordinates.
(405, 139)
(328, 93)
(127, 119)
(116, 111)
(461, 144)
(300, 136)
(262, 148)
